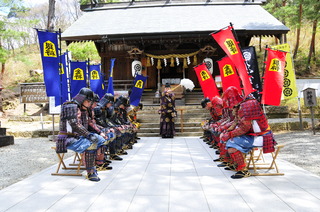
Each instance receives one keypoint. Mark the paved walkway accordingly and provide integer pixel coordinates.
(166, 175)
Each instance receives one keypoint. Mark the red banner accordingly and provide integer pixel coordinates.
(273, 77)
(228, 43)
(228, 73)
(206, 81)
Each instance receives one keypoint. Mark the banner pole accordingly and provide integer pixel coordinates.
(263, 70)
(88, 74)
(60, 64)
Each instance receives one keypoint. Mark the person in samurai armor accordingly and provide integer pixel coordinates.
(74, 133)
(101, 161)
(230, 98)
(216, 113)
(205, 123)
(121, 117)
(167, 112)
(103, 114)
(250, 128)
(132, 116)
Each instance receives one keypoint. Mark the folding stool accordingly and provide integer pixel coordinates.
(77, 165)
(253, 162)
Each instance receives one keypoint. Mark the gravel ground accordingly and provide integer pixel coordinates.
(301, 148)
(26, 157)
(31, 155)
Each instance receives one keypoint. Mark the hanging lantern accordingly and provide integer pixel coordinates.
(209, 63)
(136, 68)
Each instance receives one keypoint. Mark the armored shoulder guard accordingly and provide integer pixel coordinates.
(97, 111)
(69, 111)
(250, 109)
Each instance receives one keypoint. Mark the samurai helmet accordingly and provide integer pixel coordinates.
(232, 97)
(216, 101)
(96, 97)
(84, 94)
(107, 98)
(121, 100)
(204, 102)
(217, 104)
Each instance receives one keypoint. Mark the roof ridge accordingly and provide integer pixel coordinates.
(163, 3)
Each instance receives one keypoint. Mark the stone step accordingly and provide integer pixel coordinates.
(184, 134)
(177, 120)
(185, 111)
(194, 117)
(178, 129)
(155, 125)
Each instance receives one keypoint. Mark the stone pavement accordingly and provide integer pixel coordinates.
(166, 175)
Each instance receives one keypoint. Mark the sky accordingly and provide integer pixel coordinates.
(34, 2)
(28, 3)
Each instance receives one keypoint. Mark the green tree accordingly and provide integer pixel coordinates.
(84, 50)
(312, 15)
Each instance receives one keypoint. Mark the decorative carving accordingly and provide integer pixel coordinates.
(135, 53)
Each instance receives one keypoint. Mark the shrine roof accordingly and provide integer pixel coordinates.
(132, 21)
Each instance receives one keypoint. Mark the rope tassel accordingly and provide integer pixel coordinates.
(148, 62)
(195, 60)
(185, 65)
(159, 64)
(172, 62)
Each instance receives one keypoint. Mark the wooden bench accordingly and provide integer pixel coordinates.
(76, 165)
(256, 161)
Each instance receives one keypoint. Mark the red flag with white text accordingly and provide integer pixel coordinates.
(273, 77)
(228, 74)
(207, 83)
(228, 43)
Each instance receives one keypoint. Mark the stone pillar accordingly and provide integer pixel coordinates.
(5, 140)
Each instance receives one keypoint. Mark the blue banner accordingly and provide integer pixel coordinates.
(64, 80)
(78, 76)
(110, 80)
(48, 42)
(137, 90)
(96, 80)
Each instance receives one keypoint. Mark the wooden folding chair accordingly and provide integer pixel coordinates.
(76, 165)
(255, 165)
